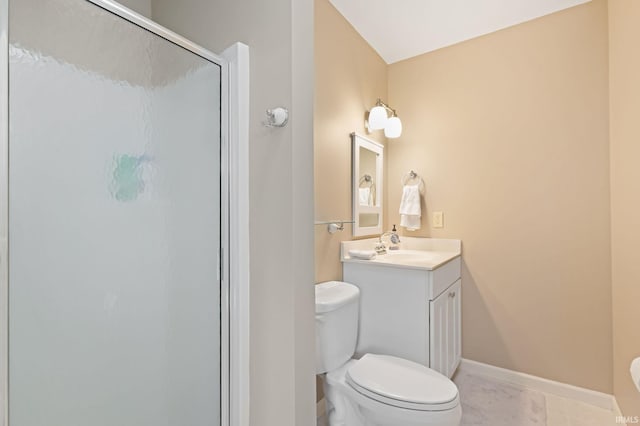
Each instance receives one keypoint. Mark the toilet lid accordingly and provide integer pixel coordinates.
(402, 383)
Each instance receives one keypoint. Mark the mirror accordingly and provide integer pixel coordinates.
(367, 157)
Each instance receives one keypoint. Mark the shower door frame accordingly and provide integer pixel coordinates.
(234, 169)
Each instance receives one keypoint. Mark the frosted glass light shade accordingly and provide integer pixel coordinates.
(393, 129)
(377, 118)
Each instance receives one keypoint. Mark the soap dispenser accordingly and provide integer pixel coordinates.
(395, 239)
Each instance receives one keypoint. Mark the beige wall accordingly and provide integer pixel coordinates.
(624, 83)
(279, 34)
(510, 132)
(350, 76)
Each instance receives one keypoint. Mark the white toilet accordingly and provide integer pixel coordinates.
(376, 390)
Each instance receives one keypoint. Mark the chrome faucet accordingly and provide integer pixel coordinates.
(380, 247)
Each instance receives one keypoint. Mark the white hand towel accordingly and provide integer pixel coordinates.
(410, 210)
(362, 254)
(364, 196)
(410, 221)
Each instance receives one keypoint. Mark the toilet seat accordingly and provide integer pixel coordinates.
(402, 383)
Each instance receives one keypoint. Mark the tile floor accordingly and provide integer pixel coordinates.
(570, 412)
(563, 412)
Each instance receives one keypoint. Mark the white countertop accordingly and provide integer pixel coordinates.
(414, 253)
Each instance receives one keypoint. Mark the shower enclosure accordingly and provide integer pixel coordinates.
(113, 220)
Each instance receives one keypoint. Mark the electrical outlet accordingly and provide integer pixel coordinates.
(438, 220)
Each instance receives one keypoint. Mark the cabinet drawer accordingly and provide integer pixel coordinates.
(442, 277)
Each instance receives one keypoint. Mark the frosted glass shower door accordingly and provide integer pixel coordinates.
(115, 210)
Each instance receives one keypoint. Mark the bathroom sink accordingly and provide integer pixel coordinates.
(401, 256)
(416, 253)
(422, 259)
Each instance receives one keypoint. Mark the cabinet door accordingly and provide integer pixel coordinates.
(445, 330)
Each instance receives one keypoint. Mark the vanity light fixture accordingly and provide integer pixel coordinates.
(393, 129)
(378, 119)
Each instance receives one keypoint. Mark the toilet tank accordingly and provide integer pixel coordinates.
(336, 324)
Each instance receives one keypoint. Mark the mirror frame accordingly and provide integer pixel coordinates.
(377, 148)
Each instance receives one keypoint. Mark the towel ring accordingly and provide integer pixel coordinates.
(413, 176)
(366, 179)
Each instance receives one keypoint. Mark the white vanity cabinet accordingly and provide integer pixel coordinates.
(409, 309)
(445, 342)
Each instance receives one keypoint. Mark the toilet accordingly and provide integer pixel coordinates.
(377, 389)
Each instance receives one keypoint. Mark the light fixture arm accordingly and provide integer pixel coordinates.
(387, 107)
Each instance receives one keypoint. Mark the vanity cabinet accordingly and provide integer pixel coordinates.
(409, 311)
(445, 343)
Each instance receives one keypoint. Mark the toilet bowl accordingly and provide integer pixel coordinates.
(377, 389)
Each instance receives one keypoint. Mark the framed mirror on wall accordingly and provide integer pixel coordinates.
(367, 167)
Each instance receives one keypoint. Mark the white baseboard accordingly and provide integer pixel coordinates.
(539, 384)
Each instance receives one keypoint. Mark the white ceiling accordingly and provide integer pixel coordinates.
(402, 29)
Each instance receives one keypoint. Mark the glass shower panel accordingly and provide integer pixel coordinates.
(114, 292)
